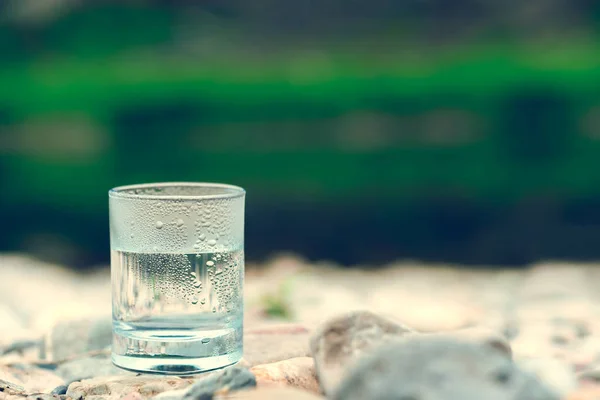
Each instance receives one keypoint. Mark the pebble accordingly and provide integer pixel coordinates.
(437, 368)
(296, 372)
(342, 340)
(59, 390)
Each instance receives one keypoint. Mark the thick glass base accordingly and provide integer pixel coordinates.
(176, 352)
(174, 366)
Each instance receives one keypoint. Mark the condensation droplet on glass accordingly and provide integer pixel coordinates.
(131, 236)
(159, 224)
(179, 222)
(205, 340)
(210, 263)
(214, 310)
(212, 242)
(195, 301)
(203, 301)
(202, 237)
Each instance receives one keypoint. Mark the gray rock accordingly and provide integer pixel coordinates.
(89, 367)
(439, 368)
(62, 389)
(222, 382)
(341, 341)
(76, 337)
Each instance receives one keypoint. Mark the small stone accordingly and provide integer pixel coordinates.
(436, 368)
(342, 340)
(116, 387)
(221, 382)
(296, 372)
(59, 390)
(272, 393)
(555, 373)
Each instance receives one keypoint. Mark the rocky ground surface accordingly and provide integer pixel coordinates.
(405, 331)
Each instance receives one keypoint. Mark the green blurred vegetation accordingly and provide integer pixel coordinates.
(463, 145)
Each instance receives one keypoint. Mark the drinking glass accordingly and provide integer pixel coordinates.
(177, 268)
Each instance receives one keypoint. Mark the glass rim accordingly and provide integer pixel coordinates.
(229, 191)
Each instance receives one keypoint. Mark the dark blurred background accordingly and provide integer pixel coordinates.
(464, 131)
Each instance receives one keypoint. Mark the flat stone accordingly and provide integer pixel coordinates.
(222, 382)
(271, 393)
(437, 368)
(89, 367)
(116, 387)
(341, 341)
(59, 390)
(296, 372)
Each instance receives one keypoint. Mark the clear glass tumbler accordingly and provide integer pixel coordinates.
(177, 267)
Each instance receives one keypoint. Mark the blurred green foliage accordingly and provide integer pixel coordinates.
(438, 144)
